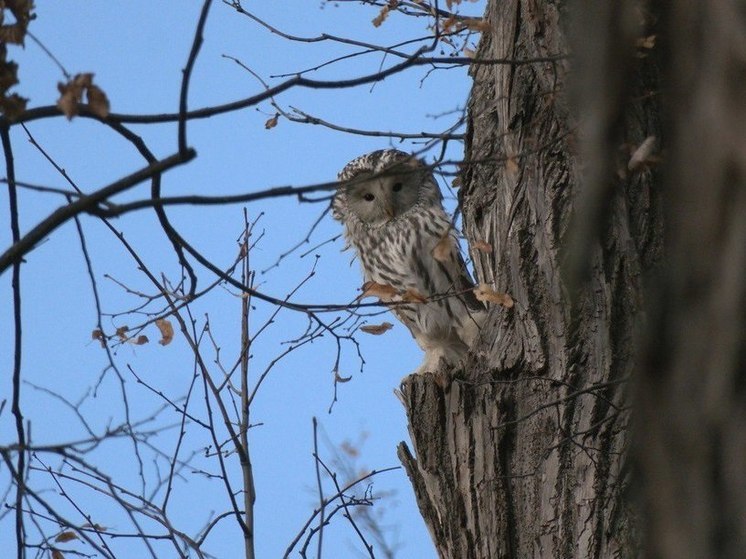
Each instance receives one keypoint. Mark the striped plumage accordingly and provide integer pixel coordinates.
(392, 211)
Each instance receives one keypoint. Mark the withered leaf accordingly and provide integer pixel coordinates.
(57, 554)
(66, 536)
(167, 331)
(412, 296)
(98, 102)
(97, 334)
(380, 290)
(646, 42)
(339, 378)
(13, 106)
(141, 340)
(21, 10)
(448, 24)
(68, 101)
(349, 449)
(272, 122)
(442, 251)
(482, 246)
(377, 329)
(485, 293)
(642, 154)
(13, 34)
(71, 96)
(381, 17)
(122, 333)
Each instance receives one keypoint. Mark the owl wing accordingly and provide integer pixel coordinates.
(452, 265)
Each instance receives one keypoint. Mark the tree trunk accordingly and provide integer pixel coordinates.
(522, 452)
(692, 450)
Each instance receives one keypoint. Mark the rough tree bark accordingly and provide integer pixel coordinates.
(692, 451)
(522, 452)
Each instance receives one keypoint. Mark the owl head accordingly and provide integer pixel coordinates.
(382, 186)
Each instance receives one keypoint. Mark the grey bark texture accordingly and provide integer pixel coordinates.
(692, 440)
(522, 452)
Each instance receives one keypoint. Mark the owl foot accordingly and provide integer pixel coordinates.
(434, 362)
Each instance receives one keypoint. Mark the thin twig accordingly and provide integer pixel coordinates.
(322, 501)
(17, 344)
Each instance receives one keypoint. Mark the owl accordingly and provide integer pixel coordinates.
(393, 216)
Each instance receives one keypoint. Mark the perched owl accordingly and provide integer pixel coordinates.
(391, 208)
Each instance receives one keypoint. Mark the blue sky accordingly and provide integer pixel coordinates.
(137, 50)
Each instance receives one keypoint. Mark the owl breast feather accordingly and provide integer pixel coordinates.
(400, 254)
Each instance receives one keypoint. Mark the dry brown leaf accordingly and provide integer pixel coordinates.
(412, 296)
(12, 34)
(646, 42)
(457, 182)
(485, 293)
(349, 449)
(66, 536)
(449, 23)
(122, 333)
(84, 80)
(15, 32)
(377, 329)
(339, 378)
(642, 154)
(71, 96)
(12, 106)
(167, 331)
(98, 102)
(380, 290)
(57, 554)
(272, 122)
(68, 101)
(99, 335)
(442, 251)
(482, 246)
(511, 165)
(141, 340)
(381, 17)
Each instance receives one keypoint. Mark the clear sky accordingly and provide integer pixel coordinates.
(137, 50)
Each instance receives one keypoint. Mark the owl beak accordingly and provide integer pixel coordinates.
(389, 209)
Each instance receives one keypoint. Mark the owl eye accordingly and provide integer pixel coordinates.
(397, 187)
(369, 197)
